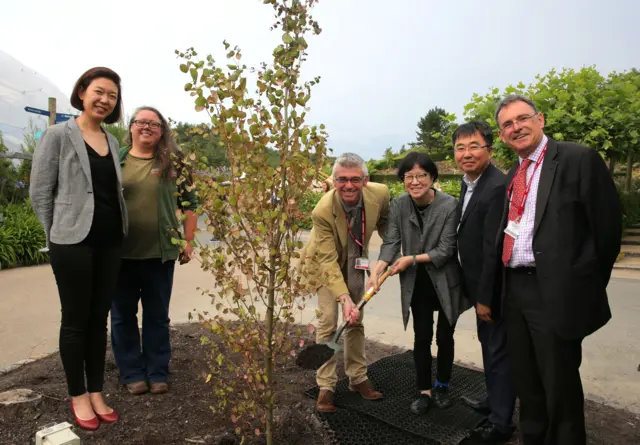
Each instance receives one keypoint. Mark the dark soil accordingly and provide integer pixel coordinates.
(183, 415)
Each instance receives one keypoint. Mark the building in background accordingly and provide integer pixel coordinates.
(20, 87)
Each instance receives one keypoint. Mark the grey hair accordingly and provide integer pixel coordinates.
(511, 98)
(350, 160)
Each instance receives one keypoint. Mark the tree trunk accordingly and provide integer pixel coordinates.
(629, 171)
(269, 358)
(612, 164)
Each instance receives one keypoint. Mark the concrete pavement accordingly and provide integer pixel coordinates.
(30, 317)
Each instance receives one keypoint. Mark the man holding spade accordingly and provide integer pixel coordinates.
(343, 222)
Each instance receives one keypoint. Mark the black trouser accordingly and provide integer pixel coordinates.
(86, 279)
(501, 397)
(547, 368)
(424, 302)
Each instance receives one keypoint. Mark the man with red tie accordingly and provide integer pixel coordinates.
(561, 234)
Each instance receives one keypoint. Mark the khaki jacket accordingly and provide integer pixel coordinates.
(326, 250)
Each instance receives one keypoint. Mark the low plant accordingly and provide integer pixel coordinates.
(21, 237)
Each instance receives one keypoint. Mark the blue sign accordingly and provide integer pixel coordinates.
(60, 117)
(36, 111)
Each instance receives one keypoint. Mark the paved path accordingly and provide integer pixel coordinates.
(30, 317)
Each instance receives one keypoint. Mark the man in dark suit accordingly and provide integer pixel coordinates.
(561, 235)
(480, 211)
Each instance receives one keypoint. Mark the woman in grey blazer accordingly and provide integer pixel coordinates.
(76, 192)
(422, 224)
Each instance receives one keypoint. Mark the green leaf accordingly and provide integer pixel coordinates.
(184, 68)
(286, 38)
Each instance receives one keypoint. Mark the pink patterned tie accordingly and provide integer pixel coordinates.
(517, 196)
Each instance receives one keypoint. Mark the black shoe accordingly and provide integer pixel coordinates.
(476, 405)
(440, 396)
(421, 406)
(490, 433)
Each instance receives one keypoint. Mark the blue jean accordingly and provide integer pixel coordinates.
(150, 281)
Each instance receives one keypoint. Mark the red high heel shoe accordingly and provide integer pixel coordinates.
(112, 417)
(90, 424)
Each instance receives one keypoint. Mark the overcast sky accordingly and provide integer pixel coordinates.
(383, 63)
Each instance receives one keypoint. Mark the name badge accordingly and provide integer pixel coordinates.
(362, 263)
(155, 171)
(513, 229)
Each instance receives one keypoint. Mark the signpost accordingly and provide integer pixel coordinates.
(59, 117)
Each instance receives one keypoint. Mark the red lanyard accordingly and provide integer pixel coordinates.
(362, 217)
(527, 186)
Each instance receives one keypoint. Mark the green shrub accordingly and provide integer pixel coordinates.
(451, 187)
(306, 207)
(630, 203)
(21, 237)
(396, 188)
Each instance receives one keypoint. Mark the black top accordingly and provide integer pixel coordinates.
(423, 286)
(106, 227)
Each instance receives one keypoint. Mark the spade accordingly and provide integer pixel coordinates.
(314, 356)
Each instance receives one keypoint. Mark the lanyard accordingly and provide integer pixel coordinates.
(527, 186)
(357, 241)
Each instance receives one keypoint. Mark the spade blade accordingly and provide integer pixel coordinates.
(314, 356)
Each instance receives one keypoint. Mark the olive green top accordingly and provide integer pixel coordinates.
(169, 197)
(140, 182)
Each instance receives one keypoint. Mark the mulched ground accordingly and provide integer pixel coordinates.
(183, 416)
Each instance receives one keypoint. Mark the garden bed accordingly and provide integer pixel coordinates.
(183, 415)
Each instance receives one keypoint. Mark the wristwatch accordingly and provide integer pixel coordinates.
(414, 259)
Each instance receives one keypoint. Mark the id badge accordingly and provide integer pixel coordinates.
(362, 263)
(513, 229)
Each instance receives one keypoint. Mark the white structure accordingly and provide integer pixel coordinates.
(21, 86)
(60, 434)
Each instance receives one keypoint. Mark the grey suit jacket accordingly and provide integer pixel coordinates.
(61, 189)
(438, 240)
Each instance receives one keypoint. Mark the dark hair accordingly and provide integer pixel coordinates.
(85, 80)
(166, 145)
(471, 128)
(512, 98)
(422, 160)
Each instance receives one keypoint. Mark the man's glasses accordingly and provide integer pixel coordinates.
(421, 177)
(356, 180)
(520, 120)
(142, 124)
(472, 147)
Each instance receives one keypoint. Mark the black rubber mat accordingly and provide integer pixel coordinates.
(395, 377)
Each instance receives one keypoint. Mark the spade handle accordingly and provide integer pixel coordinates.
(364, 300)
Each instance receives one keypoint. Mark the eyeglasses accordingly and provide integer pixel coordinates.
(421, 177)
(152, 124)
(472, 147)
(355, 180)
(520, 120)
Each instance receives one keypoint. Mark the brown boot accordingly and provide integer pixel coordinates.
(366, 390)
(324, 404)
(137, 388)
(159, 388)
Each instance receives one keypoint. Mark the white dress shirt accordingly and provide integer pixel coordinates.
(522, 254)
(465, 201)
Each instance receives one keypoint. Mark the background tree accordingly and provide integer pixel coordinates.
(433, 124)
(257, 285)
(119, 130)
(579, 106)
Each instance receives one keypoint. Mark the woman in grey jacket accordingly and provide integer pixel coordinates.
(422, 224)
(76, 192)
